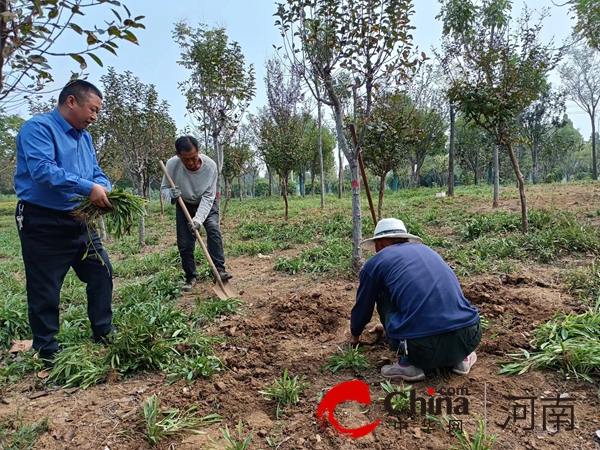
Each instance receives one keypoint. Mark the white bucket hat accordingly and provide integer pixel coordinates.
(389, 228)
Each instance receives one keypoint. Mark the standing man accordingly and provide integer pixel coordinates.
(56, 162)
(195, 177)
(427, 320)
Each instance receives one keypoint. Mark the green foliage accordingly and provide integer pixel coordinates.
(584, 282)
(332, 257)
(570, 343)
(160, 425)
(147, 265)
(479, 441)
(587, 13)
(399, 403)
(231, 443)
(285, 391)
(21, 436)
(211, 97)
(207, 310)
(80, 365)
(31, 30)
(132, 108)
(14, 323)
(351, 358)
(13, 371)
(126, 210)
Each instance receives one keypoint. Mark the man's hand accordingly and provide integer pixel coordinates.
(193, 227)
(98, 197)
(352, 339)
(379, 330)
(175, 194)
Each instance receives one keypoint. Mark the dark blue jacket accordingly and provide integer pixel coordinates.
(423, 287)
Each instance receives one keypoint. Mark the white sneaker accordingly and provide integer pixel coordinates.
(407, 373)
(464, 367)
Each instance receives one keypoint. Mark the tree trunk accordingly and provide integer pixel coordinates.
(451, 157)
(219, 161)
(240, 187)
(594, 163)
(270, 181)
(312, 182)
(380, 200)
(357, 260)
(340, 174)
(285, 199)
(142, 234)
(227, 197)
(496, 176)
(521, 181)
(534, 158)
(319, 118)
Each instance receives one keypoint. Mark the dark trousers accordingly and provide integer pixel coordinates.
(430, 352)
(186, 241)
(51, 242)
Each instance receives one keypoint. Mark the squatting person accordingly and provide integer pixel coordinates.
(56, 162)
(426, 318)
(195, 177)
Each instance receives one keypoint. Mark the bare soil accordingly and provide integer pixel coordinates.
(297, 322)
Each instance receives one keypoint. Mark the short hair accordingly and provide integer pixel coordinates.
(80, 89)
(186, 144)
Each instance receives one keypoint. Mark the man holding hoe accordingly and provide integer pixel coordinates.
(195, 176)
(427, 320)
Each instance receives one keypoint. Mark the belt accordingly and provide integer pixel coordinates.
(42, 210)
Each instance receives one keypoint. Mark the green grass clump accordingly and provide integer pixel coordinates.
(333, 256)
(351, 358)
(584, 282)
(207, 310)
(231, 443)
(162, 424)
(80, 365)
(399, 402)
(569, 343)
(22, 437)
(285, 391)
(147, 265)
(14, 323)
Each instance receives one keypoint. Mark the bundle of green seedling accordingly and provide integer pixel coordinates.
(118, 220)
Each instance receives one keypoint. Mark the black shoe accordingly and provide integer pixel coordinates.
(189, 284)
(224, 275)
(48, 358)
(105, 339)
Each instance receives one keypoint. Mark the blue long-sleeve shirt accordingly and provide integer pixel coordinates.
(55, 162)
(423, 287)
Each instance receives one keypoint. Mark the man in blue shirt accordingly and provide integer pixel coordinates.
(56, 161)
(426, 318)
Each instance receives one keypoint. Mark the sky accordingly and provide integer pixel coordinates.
(251, 24)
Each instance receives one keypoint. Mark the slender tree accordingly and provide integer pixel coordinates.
(539, 122)
(496, 71)
(135, 129)
(369, 39)
(473, 148)
(580, 75)
(220, 87)
(390, 131)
